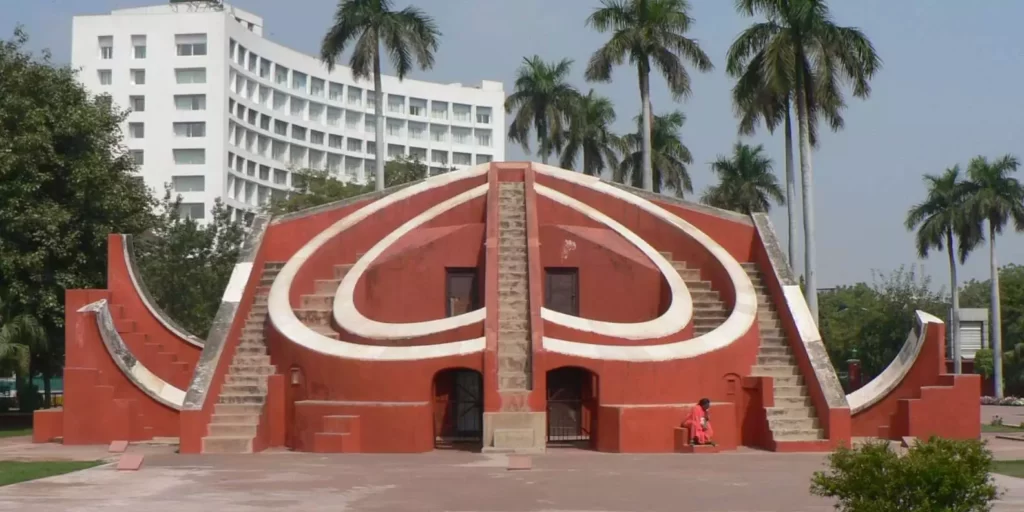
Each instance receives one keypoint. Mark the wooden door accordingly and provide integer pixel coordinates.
(462, 294)
(561, 291)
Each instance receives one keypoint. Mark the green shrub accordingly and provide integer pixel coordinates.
(938, 475)
(984, 364)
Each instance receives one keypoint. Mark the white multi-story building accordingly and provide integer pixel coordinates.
(218, 111)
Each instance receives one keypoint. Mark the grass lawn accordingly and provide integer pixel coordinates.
(1009, 467)
(16, 432)
(12, 472)
(1002, 429)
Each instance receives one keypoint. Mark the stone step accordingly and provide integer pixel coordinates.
(511, 232)
(251, 349)
(514, 265)
(245, 380)
(513, 348)
(244, 389)
(512, 362)
(773, 341)
(314, 316)
(774, 350)
(789, 423)
(237, 409)
(798, 435)
(319, 301)
(512, 381)
(252, 330)
(512, 251)
(240, 360)
(227, 444)
(514, 303)
(236, 369)
(325, 330)
(511, 243)
(749, 266)
(789, 412)
(258, 309)
(772, 332)
(775, 360)
(232, 430)
(235, 419)
(792, 401)
(774, 371)
(788, 380)
(241, 399)
(326, 286)
(700, 288)
(513, 286)
(513, 325)
(790, 391)
(514, 336)
(341, 270)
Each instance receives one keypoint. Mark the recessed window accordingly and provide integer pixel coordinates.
(439, 157)
(106, 44)
(138, 156)
(195, 211)
(192, 156)
(483, 138)
(138, 76)
(190, 130)
(190, 75)
(439, 110)
(462, 159)
(264, 173)
(461, 112)
(355, 145)
(190, 102)
(138, 47)
(483, 115)
(106, 76)
(188, 183)
(483, 159)
(280, 75)
(138, 103)
(190, 45)
(136, 130)
(334, 141)
(280, 177)
(316, 137)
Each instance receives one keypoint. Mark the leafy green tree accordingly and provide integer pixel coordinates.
(934, 475)
(977, 294)
(590, 136)
(314, 188)
(872, 320)
(669, 154)
(807, 57)
(66, 182)
(187, 264)
(402, 169)
(542, 101)
(941, 221)
(651, 34)
(18, 336)
(746, 182)
(995, 197)
(409, 36)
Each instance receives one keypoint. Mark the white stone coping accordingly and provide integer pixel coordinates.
(347, 314)
(893, 375)
(676, 316)
(137, 373)
(283, 317)
(739, 322)
(161, 316)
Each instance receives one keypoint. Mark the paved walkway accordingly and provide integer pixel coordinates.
(562, 480)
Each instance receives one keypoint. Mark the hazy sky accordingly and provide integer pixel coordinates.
(950, 89)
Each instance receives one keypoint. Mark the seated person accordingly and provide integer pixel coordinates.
(699, 423)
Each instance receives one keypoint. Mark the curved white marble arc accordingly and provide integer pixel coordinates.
(680, 309)
(283, 317)
(347, 314)
(743, 315)
(137, 373)
(893, 375)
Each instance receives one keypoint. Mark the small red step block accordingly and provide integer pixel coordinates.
(130, 462)
(118, 447)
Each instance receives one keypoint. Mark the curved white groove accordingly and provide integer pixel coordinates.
(159, 315)
(283, 317)
(674, 319)
(347, 314)
(893, 375)
(148, 382)
(743, 315)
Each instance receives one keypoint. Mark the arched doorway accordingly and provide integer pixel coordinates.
(458, 408)
(572, 407)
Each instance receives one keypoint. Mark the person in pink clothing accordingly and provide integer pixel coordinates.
(699, 423)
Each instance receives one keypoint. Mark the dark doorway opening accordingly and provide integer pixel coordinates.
(458, 409)
(463, 291)
(572, 407)
(562, 290)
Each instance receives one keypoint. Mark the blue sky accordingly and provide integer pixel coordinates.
(949, 90)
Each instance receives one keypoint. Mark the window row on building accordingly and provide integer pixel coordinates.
(186, 45)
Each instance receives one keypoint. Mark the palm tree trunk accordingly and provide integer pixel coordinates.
(810, 279)
(378, 107)
(645, 131)
(790, 190)
(996, 326)
(954, 322)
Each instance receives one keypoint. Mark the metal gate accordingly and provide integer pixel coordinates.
(458, 407)
(568, 394)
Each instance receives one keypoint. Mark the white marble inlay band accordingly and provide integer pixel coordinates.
(676, 316)
(283, 317)
(739, 322)
(236, 284)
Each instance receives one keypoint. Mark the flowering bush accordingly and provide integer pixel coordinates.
(1010, 400)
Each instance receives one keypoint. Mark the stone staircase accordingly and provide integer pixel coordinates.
(236, 414)
(317, 308)
(513, 298)
(708, 309)
(793, 418)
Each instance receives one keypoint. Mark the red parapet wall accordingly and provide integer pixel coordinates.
(927, 401)
(652, 429)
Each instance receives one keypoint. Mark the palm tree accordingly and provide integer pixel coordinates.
(994, 196)
(746, 181)
(942, 220)
(647, 33)
(589, 135)
(409, 36)
(807, 56)
(542, 100)
(18, 334)
(668, 153)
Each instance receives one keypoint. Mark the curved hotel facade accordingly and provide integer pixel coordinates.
(218, 111)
